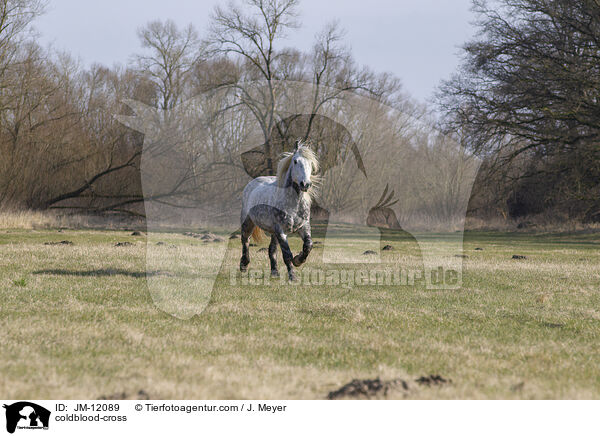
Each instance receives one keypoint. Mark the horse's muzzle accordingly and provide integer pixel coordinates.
(304, 186)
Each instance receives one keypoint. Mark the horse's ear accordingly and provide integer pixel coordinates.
(296, 145)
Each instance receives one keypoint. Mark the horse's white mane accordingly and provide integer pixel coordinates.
(284, 164)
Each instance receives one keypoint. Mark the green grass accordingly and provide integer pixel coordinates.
(20, 283)
(79, 321)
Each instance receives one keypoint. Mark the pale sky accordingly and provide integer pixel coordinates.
(417, 40)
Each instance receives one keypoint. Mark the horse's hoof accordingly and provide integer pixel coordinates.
(292, 277)
(274, 273)
(296, 261)
(243, 268)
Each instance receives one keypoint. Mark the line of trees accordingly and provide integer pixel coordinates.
(62, 146)
(526, 100)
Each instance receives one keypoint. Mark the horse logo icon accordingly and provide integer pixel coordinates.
(26, 415)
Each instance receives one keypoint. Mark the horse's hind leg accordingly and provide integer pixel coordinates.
(273, 256)
(247, 228)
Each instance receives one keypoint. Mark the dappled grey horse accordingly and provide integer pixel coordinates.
(280, 205)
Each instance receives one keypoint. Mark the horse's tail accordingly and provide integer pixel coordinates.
(258, 234)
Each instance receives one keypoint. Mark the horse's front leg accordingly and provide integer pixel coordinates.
(286, 252)
(307, 244)
(273, 256)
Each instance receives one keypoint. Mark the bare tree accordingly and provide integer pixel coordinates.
(254, 37)
(106, 153)
(171, 56)
(15, 19)
(112, 178)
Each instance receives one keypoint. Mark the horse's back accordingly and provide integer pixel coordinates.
(258, 183)
(257, 190)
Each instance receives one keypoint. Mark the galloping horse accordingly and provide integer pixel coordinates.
(281, 205)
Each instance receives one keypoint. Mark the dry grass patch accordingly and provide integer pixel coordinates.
(80, 321)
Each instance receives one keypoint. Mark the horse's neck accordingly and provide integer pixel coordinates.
(290, 197)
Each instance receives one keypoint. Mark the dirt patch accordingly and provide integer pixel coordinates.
(432, 380)
(478, 249)
(124, 244)
(368, 389)
(203, 235)
(387, 248)
(136, 233)
(59, 243)
(519, 256)
(369, 253)
(462, 256)
(141, 395)
(518, 387)
(234, 237)
(207, 237)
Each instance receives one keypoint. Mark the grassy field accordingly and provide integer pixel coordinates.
(78, 321)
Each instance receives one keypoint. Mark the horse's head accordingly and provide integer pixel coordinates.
(303, 164)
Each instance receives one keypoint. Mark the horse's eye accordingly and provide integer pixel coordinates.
(295, 161)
